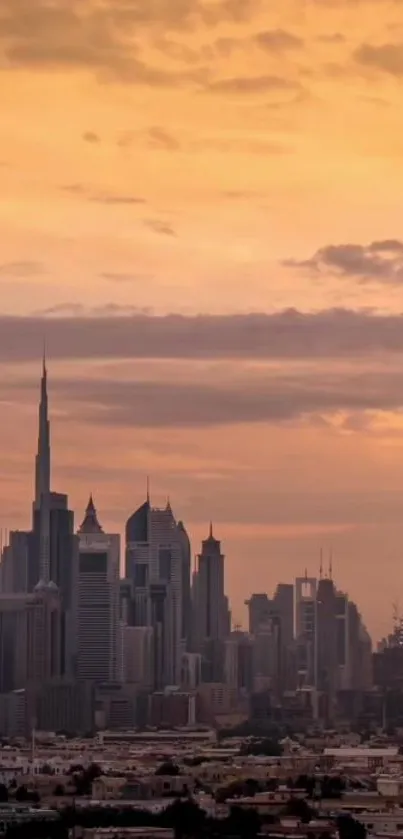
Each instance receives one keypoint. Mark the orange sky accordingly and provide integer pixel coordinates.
(191, 157)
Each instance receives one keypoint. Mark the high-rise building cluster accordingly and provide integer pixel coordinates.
(82, 647)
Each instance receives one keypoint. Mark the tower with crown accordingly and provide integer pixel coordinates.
(97, 601)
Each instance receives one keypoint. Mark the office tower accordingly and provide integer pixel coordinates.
(239, 661)
(138, 654)
(267, 652)
(186, 588)
(283, 607)
(210, 609)
(360, 650)
(62, 560)
(227, 617)
(259, 610)
(305, 630)
(138, 566)
(44, 628)
(155, 560)
(166, 543)
(97, 601)
(13, 642)
(115, 705)
(191, 671)
(66, 705)
(15, 563)
(342, 642)
(326, 644)
(30, 626)
(262, 611)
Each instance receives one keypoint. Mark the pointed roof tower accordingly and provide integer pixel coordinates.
(211, 541)
(42, 460)
(90, 523)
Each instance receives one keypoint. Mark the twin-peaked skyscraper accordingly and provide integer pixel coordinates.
(158, 578)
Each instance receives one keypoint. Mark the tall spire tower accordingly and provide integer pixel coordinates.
(42, 479)
(42, 461)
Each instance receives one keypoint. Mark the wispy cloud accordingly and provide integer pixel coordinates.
(22, 268)
(247, 85)
(380, 262)
(102, 196)
(385, 57)
(160, 138)
(102, 38)
(91, 137)
(278, 40)
(163, 228)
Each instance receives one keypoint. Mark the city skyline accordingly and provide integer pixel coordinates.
(69, 616)
(46, 500)
(201, 212)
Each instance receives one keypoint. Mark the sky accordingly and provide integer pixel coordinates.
(201, 214)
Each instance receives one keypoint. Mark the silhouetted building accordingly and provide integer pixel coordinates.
(157, 559)
(66, 706)
(97, 601)
(210, 609)
(30, 626)
(259, 611)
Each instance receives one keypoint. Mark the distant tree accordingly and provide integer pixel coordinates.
(272, 784)
(21, 793)
(332, 787)
(185, 817)
(75, 767)
(167, 768)
(58, 790)
(350, 828)
(300, 809)
(3, 793)
(242, 822)
(84, 780)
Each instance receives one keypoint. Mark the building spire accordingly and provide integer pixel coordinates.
(44, 370)
(90, 523)
(42, 463)
(42, 476)
(210, 535)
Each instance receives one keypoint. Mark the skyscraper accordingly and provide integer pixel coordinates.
(157, 561)
(327, 665)
(61, 561)
(96, 605)
(42, 460)
(52, 546)
(186, 587)
(45, 553)
(259, 611)
(283, 609)
(210, 608)
(30, 637)
(42, 484)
